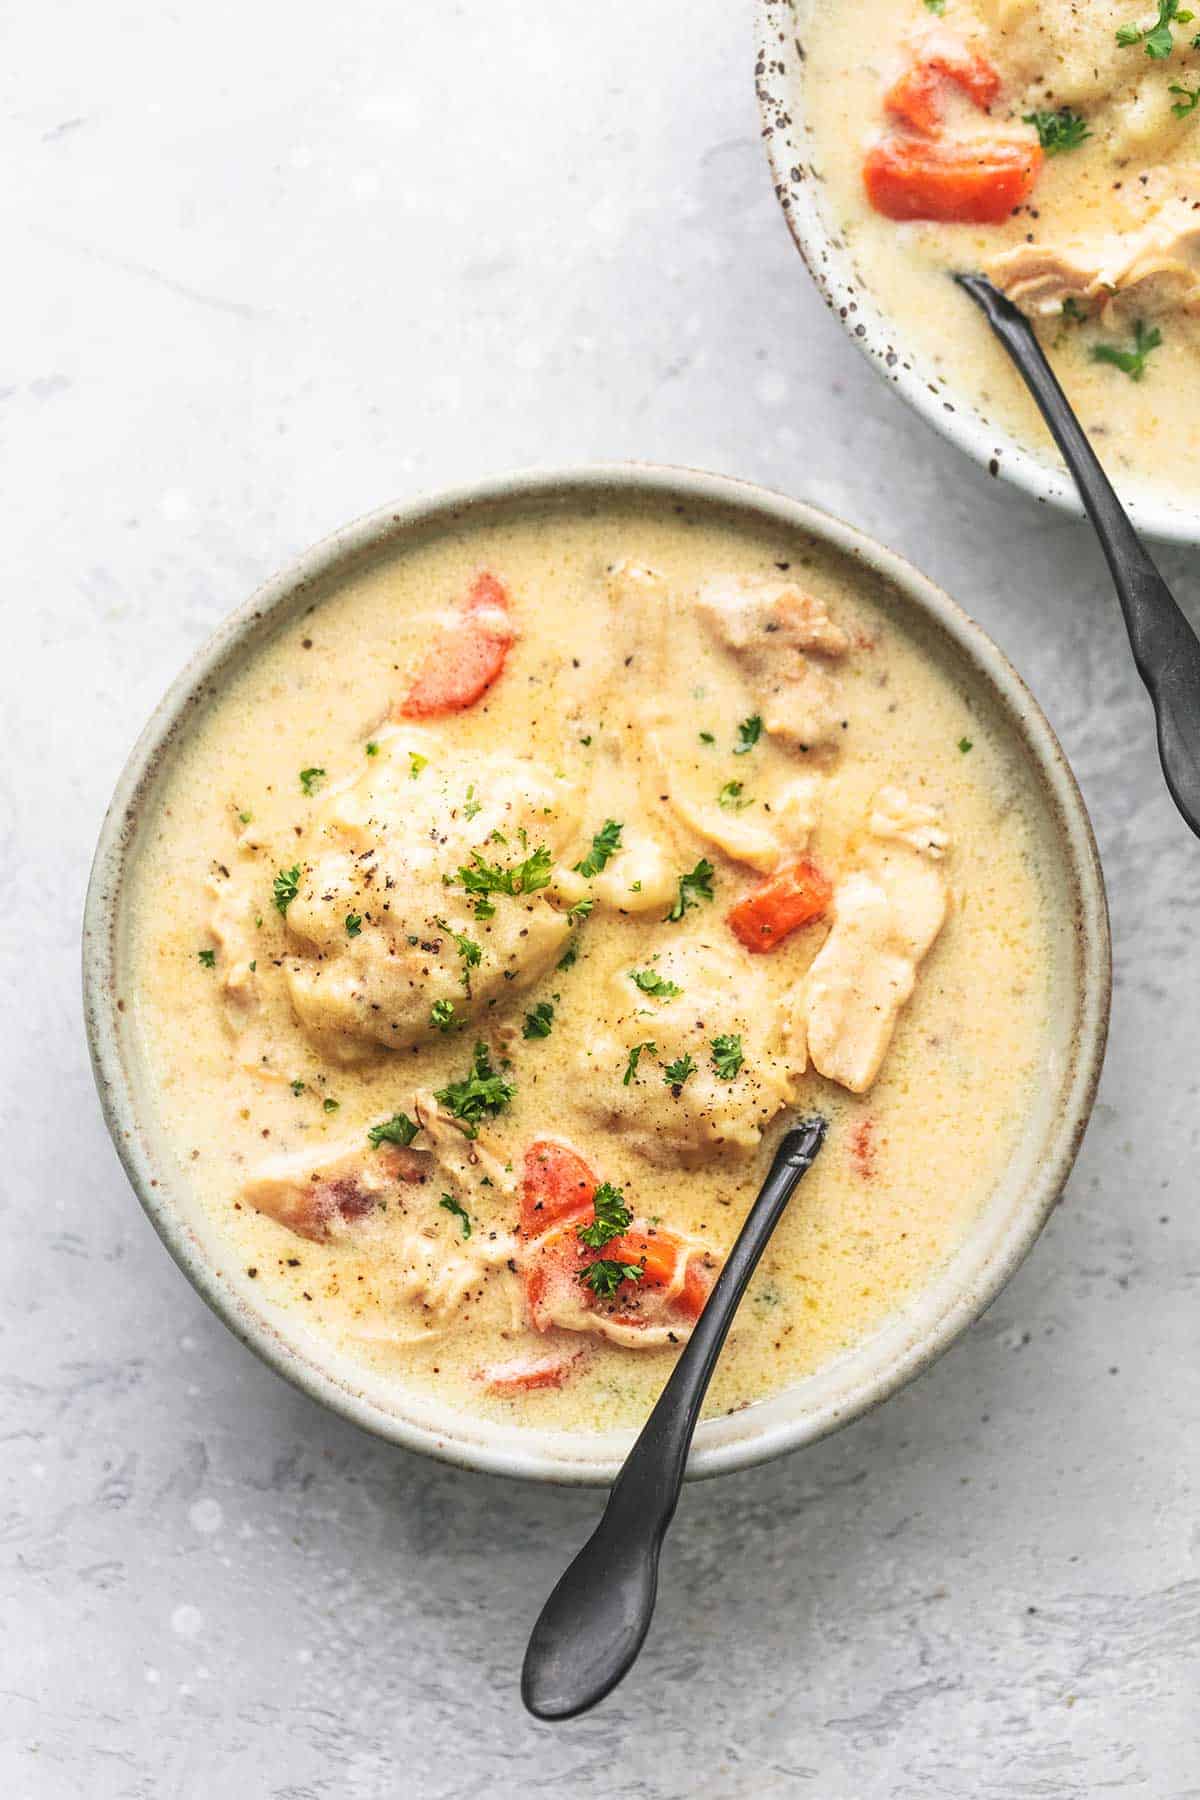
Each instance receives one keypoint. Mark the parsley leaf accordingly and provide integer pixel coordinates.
(482, 1091)
(311, 779)
(635, 1057)
(693, 888)
(285, 887)
(372, 748)
(965, 744)
(468, 949)
(749, 732)
(443, 1015)
(208, 958)
(1130, 362)
(606, 843)
(416, 762)
(727, 1055)
(676, 1073)
(1058, 131)
(471, 805)
(353, 924)
(538, 1022)
(485, 878)
(612, 1217)
(449, 1204)
(651, 982)
(297, 1087)
(935, 6)
(580, 910)
(1188, 101)
(604, 1278)
(1157, 38)
(399, 1129)
(331, 1105)
(730, 797)
(569, 956)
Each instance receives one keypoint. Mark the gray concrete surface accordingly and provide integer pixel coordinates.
(269, 266)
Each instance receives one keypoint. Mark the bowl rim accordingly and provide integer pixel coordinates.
(464, 1440)
(877, 336)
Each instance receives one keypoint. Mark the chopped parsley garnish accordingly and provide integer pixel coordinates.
(471, 805)
(935, 6)
(585, 741)
(482, 1091)
(468, 949)
(749, 732)
(1157, 38)
(1072, 312)
(285, 887)
(297, 1087)
(676, 1073)
(635, 1057)
(612, 1217)
(449, 1204)
(245, 817)
(1130, 362)
(372, 748)
(311, 779)
(605, 844)
(331, 1105)
(538, 1022)
(208, 958)
(706, 737)
(399, 1129)
(443, 1016)
(569, 956)
(416, 762)
(580, 910)
(1059, 131)
(604, 1277)
(730, 797)
(693, 889)
(651, 982)
(1189, 99)
(353, 924)
(484, 878)
(965, 744)
(727, 1055)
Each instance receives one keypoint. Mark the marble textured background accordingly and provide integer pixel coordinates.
(270, 266)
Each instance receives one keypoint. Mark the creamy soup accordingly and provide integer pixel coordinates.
(1053, 147)
(492, 923)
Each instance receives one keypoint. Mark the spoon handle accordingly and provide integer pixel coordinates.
(1165, 648)
(594, 1623)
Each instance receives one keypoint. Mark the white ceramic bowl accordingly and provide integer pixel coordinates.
(795, 163)
(916, 1333)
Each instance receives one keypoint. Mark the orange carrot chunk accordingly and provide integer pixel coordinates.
(977, 182)
(556, 1185)
(793, 896)
(916, 96)
(466, 655)
(525, 1374)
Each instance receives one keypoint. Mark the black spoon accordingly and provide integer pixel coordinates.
(1165, 648)
(595, 1622)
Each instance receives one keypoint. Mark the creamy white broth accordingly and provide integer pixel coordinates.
(1133, 182)
(908, 1164)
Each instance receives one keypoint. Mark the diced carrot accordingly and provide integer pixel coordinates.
(556, 1185)
(916, 96)
(524, 1374)
(466, 655)
(658, 1255)
(793, 896)
(976, 182)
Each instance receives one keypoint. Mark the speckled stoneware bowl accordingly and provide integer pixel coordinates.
(926, 1323)
(795, 164)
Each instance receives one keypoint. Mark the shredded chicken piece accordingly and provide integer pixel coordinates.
(886, 914)
(321, 1198)
(775, 629)
(1153, 270)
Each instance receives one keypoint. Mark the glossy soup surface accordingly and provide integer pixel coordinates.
(616, 704)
